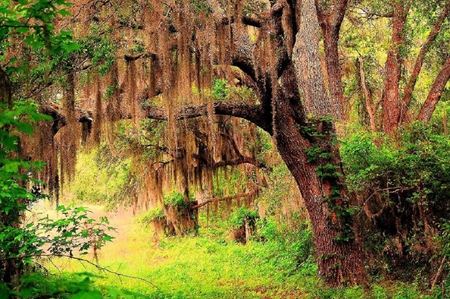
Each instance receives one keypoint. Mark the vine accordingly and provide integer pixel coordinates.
(320, 132)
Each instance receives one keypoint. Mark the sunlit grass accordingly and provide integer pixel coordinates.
(204, 266)
(189, 267)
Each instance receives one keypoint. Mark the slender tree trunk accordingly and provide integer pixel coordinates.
(435, 93)
(391, 103)
(421, 56)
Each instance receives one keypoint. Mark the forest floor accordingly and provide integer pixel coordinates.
(205, 266)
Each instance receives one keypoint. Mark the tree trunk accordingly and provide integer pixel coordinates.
(421, 56)
(392, 109)
(331, 41)
(307, 147)
(338, 248)
(435, 93)
(330, 23)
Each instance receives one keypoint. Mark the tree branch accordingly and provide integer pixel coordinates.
(49, 256)
(421, 56)
(242, 195)
(370, 109)
(435, 93)
(252, 113)
(129, 58)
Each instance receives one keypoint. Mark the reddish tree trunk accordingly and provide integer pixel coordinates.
(391, 104)
(435, 93)
(340, 262)
(421, 56)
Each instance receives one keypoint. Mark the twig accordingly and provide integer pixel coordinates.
(49, 256)
(104, 269)
(438, 273)
(389, 189)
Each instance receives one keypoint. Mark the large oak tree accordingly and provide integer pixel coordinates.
(270, 47)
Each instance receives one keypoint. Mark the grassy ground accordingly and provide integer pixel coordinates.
(204, 266)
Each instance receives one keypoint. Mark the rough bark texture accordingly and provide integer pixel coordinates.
(435, 93)
(340, 262)
(307, 62)
(330, 23)
(391, 102)
(421, 56)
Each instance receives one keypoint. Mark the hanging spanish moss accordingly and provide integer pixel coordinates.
(97, 123)
(69, 135)
(170, 55)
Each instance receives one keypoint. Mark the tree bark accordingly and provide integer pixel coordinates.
(369, 108)
(340, 262)
(391, 102)
(435, 93)
(331, 24)
(421, 56)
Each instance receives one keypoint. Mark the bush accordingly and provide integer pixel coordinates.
(151, 215)
(402, 186)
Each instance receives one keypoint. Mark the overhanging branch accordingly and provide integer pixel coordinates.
(252, 113)
(241, 195)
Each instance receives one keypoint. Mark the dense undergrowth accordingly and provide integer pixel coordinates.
(277, 261)
(208, 265)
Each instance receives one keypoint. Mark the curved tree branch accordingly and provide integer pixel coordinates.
(252, 113)
(435, 93)
(241, 195)
(421, 56)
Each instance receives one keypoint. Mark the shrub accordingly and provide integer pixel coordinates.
(402, 186)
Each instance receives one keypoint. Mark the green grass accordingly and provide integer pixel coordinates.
(190, 267)
(204, 266)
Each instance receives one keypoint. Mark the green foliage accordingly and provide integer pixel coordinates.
(76, 285)
(403, 186)
(24, 242)
(293, 245)
(206, 266)
(31, 52)
(201, 6)
(156, 214)
(99, 49)
(175, 199)
(13, 121)
(243, 215)
(418, 162)
(38, 34)
(73, 231)
(102, 178)
(220, 89)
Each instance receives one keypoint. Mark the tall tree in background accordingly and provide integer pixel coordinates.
(418, 37)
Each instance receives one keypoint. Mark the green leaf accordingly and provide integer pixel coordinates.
(71, 46)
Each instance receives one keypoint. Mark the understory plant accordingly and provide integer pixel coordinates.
(22, 243)
(402, 185)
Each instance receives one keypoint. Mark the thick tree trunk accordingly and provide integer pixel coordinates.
(338, 248)
(331, 42)
(308, 150)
